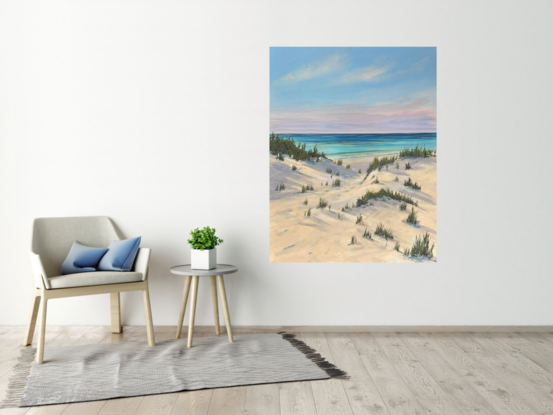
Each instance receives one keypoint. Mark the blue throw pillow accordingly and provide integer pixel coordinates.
(120, 255)
(82, 258)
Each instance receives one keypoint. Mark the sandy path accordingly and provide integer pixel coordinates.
(323, 237)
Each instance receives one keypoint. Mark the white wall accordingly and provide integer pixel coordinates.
(156, 114)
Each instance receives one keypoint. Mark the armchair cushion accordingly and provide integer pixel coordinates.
(93, 278)
(82, 258)
(120, 255)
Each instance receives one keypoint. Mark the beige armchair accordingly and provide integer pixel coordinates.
(51, 242)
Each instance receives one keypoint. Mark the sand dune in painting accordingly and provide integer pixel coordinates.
(304, 231)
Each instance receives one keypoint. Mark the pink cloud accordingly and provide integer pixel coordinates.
(407, 115)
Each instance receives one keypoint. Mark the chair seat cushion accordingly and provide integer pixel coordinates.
(93, 278)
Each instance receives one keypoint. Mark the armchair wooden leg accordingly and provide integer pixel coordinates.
(42, 330)
(115, 303)
(215, 304)
(183, 304)
(31, 324)
(222, 291)
(149, 321)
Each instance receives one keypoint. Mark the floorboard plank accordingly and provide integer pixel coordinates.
(228, 401)
(296, 398)
(467, 399)
(422, 385)
(329, 395)
(486, 383)
(193, 402)
(394, 391)
(263, 399)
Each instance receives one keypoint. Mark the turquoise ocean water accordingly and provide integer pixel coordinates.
(362, 145)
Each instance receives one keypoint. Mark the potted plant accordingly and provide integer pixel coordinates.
(203, 243)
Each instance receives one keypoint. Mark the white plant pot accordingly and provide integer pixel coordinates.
(206, 259)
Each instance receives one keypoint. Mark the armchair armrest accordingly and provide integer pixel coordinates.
(142, 261)
(39, 274)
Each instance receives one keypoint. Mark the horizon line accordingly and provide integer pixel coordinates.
(337, 132)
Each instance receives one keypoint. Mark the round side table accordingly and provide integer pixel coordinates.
(193, 277)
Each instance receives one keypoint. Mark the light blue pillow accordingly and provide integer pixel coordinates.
(120, 255)
(82, 258)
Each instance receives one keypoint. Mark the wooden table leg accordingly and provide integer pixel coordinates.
(183, 304)
(193, 298)
(221, 282)
(215, 304)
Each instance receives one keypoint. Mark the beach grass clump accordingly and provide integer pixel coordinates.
(376, 180)
(280, 157)
(340, 162)
(305, 202)
(279, 145)
(307, 188)
(403, 206)
(411, 184)
(348, 166)
(421, 248)
(337, 173)
(396, 247)
(378, 163)
(416, 152)
(412, 218)
(339, 216)
(383, 232)
(347, 207)
(294, 168)
(353, 240)
(382, 194)
(359, 220)
(408, 166)
(360, 171)
(307, 213)
(367, 235)
(336, 183)
(280, 187)
(396, 179)
(328, 170)
(322, 203)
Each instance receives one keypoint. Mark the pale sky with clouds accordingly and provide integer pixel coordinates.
(353, 90)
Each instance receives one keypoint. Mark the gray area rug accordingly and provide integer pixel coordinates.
(106, 371)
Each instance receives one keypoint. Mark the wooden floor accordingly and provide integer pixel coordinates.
(391, 373)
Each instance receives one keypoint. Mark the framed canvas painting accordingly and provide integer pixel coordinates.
(353, 154)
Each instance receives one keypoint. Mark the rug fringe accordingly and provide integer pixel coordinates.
(18, 381)
(330, 369)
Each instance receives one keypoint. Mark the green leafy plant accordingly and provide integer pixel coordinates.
(204, 238)
(339, 162)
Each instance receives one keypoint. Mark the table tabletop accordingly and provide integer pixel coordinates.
(221, 269)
